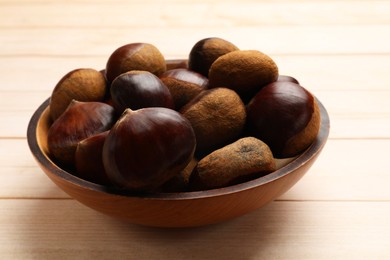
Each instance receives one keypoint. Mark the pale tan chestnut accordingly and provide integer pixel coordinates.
(217, 117)
(244, 71)
(243, 160)
(80, 84)
(135, 56)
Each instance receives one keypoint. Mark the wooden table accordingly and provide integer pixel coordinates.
(339, 50)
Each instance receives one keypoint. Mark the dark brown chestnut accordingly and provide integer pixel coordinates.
(79, 121)
(88, 159)
(135, 56)
(206, 51)
(139, 89)
(181, 181)
(147, 147)
(288, 79)
(285, 116)
(184, 85)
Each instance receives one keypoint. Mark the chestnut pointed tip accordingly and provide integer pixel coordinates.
(128, 111)
(74, 101)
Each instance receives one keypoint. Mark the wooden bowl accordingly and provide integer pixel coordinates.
(184, 209)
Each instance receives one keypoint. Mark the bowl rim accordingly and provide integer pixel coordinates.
(312, 151)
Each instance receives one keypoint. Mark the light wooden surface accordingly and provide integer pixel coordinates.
(340, 50)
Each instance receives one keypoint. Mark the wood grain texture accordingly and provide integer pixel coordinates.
(208, 13)
(270, 39)
(337, 49)
(281, 230)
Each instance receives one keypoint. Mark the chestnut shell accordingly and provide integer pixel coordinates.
(184, 85)
(139, 89)
(79, 121)
(135, 56)
(88, 159)
(147, 147)
(279, 112)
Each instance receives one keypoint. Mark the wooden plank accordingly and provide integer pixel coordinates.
(64, 229)
(190, 2)
(173, 41)
(337, 72)
(351, 170)
(356, 126)
(14, 123)
(193, 14)
(315, 72)
(346, 170)
(27, 182)
(41, 73)
(21, 177)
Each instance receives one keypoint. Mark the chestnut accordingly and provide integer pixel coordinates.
(288, 79)
(217, 117)
(79, 121)
(135, 56)
(206, 51)
(285, 116)
(244, 71)
(180, 182)
(184, 85)
(147, 147)
(78, 84)
(246, 159)
(139, 89)
(88, 159)
(176, 64)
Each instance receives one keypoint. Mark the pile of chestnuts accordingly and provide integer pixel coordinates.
(217, 119)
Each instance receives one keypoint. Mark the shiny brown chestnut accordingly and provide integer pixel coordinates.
(285, 116)
(184, 85)
(135, 56)
(288, 79)
(147, 147)
(79, 121)
(88, 159)
(139, 89)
